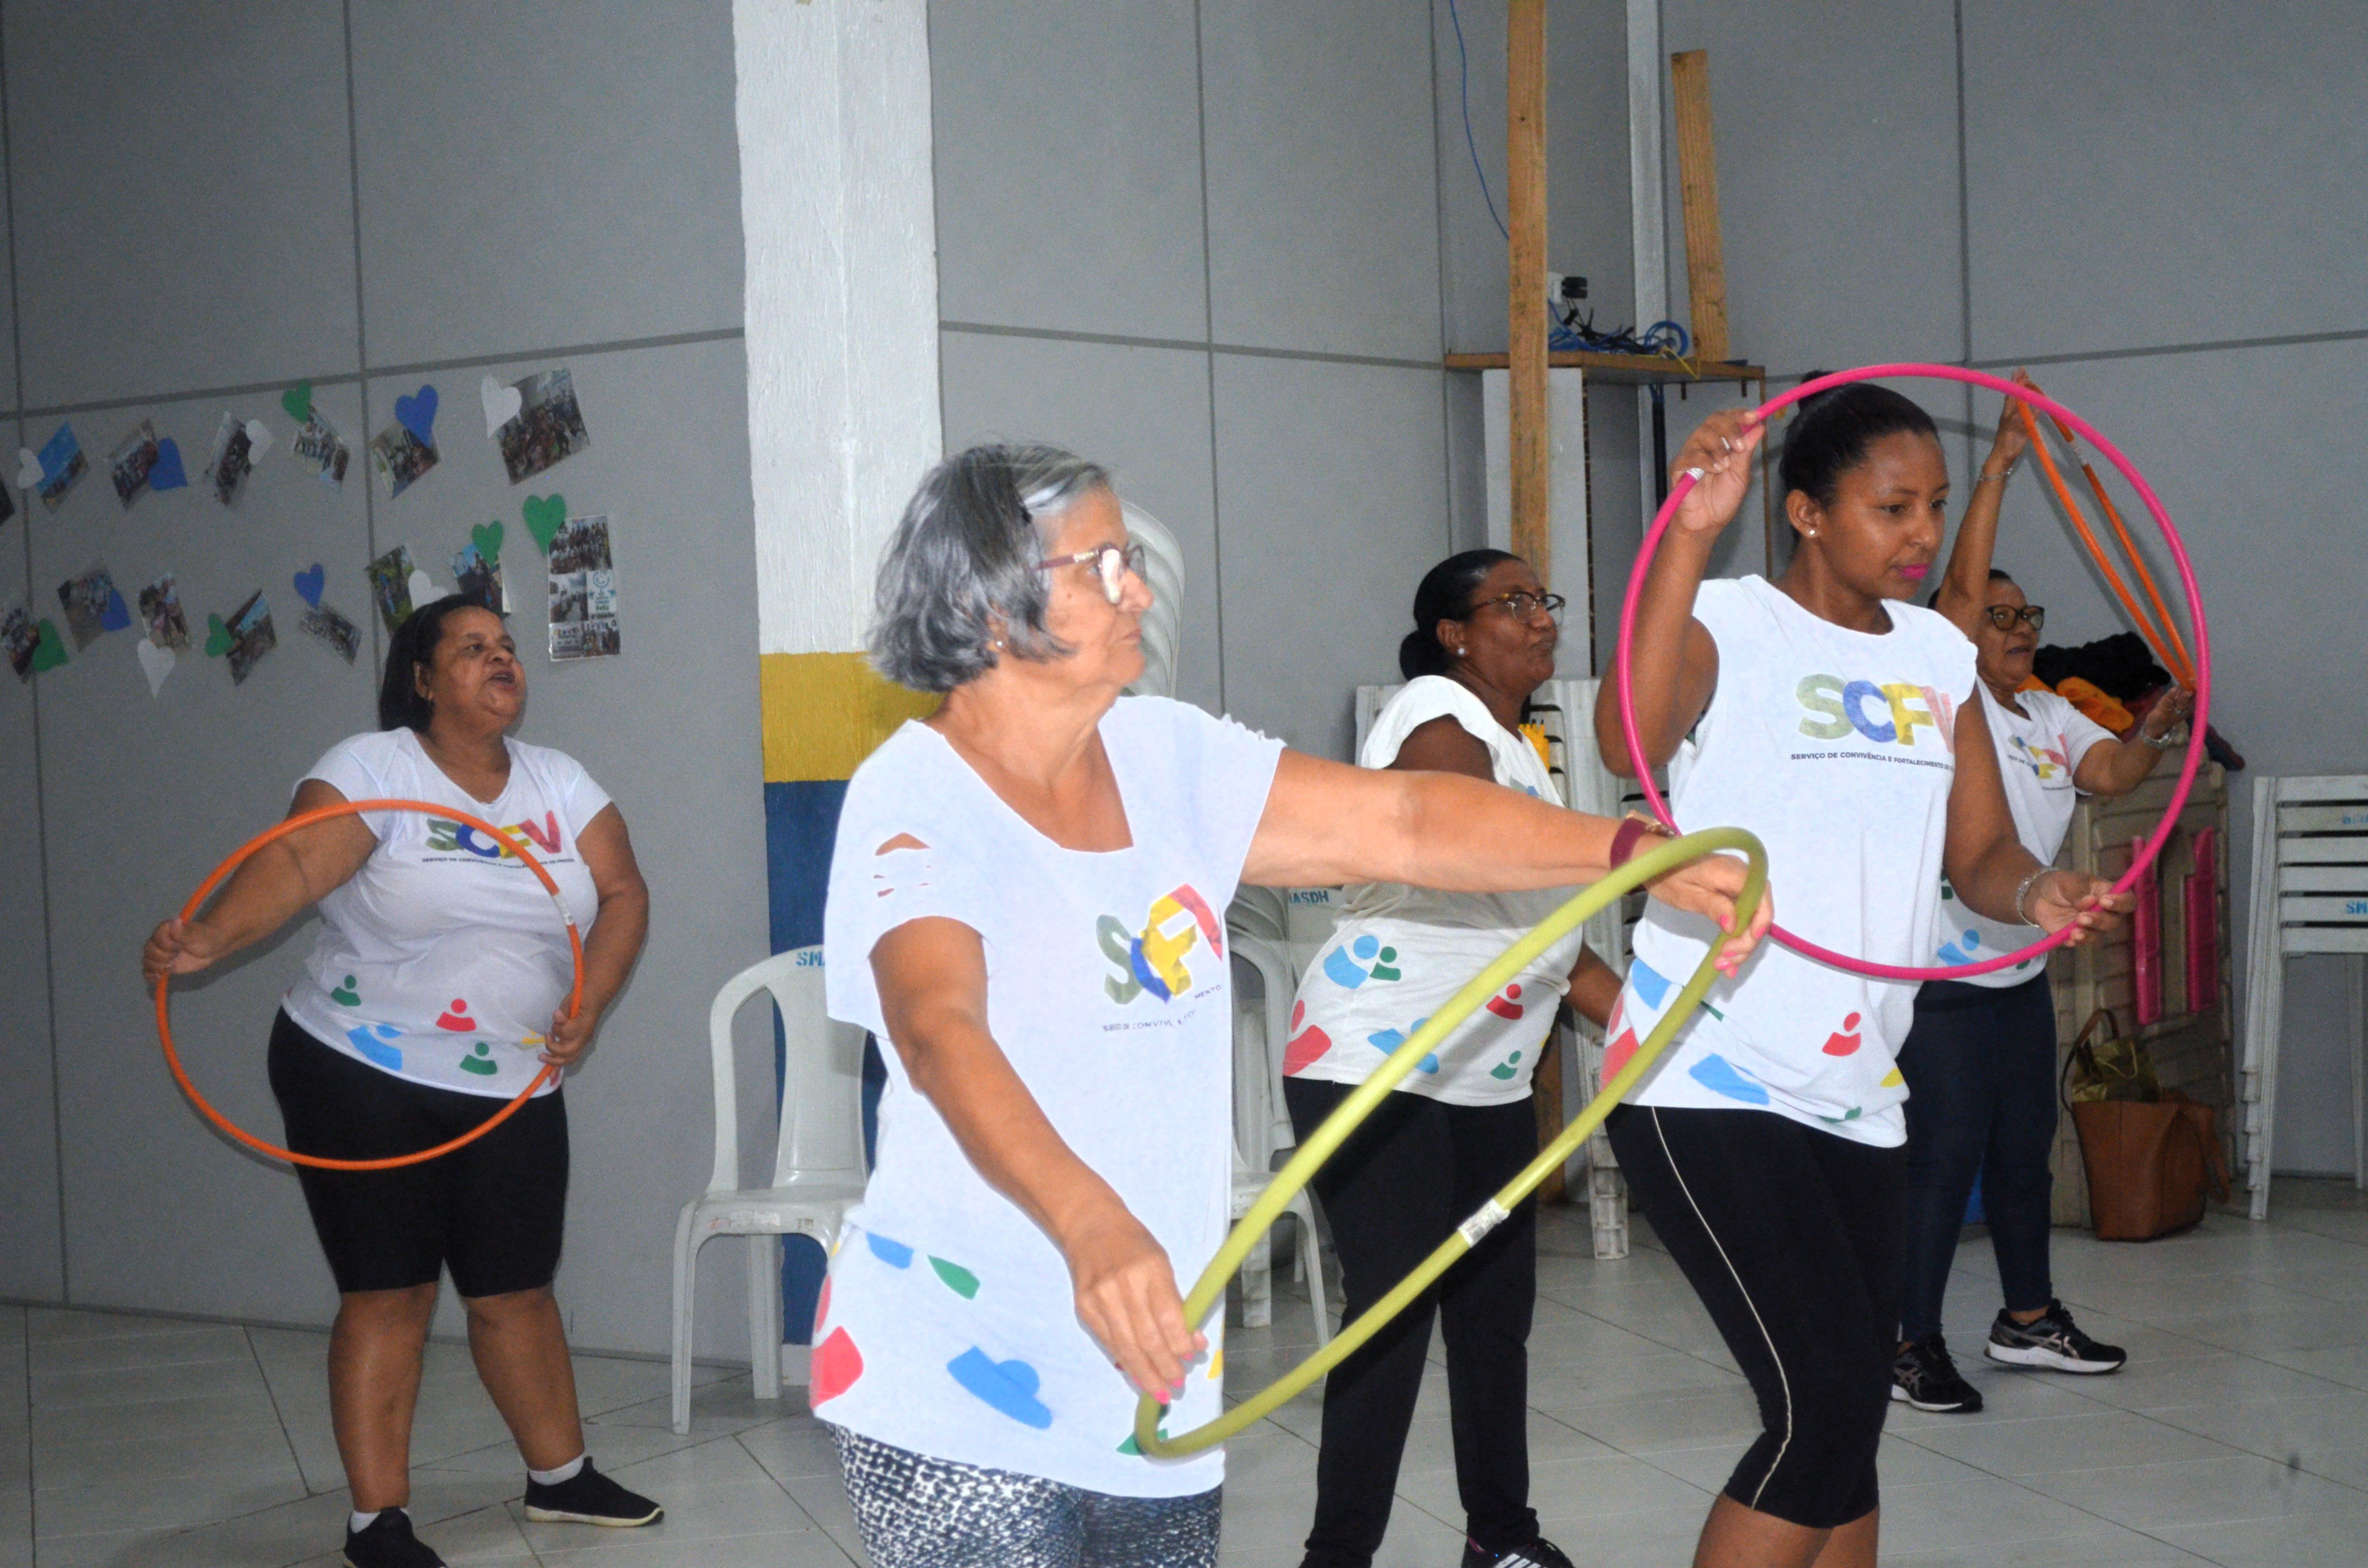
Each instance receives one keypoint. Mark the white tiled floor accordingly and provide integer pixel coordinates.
(2237, 1436)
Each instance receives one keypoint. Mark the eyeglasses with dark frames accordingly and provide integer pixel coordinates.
(2003, 617)
(1110, 563)
(1521, 605)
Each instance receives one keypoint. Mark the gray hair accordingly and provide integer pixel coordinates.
(965, 555)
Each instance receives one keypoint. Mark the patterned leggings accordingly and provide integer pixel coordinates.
(917, 1512)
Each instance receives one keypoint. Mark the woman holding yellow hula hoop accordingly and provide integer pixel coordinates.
(1838, 720)
(1026, 904)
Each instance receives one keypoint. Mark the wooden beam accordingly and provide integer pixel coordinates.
(1697, 185)
(1525, 212)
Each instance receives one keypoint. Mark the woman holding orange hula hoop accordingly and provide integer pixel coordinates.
(437, 991)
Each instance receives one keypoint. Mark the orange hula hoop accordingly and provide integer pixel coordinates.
(2163, 639)
(281, 830)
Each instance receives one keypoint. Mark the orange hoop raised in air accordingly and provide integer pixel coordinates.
(348, 809)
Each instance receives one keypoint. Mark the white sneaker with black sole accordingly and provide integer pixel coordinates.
(2052, 1342)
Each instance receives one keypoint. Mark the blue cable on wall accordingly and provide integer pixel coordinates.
(1463, 93)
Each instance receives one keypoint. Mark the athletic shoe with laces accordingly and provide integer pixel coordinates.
(1925, 1377)
(389, 1544)
(588, 1497)
(1535, 1552)
(2052, 1341)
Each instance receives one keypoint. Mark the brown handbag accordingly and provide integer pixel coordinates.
(2149, 1161)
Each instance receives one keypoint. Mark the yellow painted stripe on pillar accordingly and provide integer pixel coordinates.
(823, 713)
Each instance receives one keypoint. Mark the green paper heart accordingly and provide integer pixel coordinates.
(50, 651)
(298, 401)
(545, 516)
(487, 538)
(217, 637)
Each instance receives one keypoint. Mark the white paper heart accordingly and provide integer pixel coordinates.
(502, 403)
(259, 442)
(28, 469)
(155, 664)
(424, 590)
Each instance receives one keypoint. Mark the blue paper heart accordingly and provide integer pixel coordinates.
(166, 474)
(309, 584)
(1009, 1386)
(417, 413)
(115, 617)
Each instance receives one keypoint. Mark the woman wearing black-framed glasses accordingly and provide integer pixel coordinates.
(1980, 1059)
(1485, 639)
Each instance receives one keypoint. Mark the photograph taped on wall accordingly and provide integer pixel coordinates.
(133, 459)
(251, 636)
(21, 637)
(390, 582)
(62, 463)
(547, 428)
(93, 606)
(479, 579)
(232, 460)
(329, 625)
(400, 458)
(583, 591)
(160, 611)
(318, 443)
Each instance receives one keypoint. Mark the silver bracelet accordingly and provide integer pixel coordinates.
(2163, 742)
(2023, 892)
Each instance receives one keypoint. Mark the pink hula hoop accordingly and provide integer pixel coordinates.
(2155, 841)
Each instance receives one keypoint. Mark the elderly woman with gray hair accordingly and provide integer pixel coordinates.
(1027, 903)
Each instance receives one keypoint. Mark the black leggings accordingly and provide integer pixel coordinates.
(1791, 1238)
(1980, 1065)
(1396, 1188)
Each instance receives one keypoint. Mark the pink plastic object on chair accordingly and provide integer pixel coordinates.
(2145, 944)
(2202, 891)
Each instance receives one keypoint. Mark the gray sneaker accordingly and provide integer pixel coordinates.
(2052, 1342)
(1926, 1376)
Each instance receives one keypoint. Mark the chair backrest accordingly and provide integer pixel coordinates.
(1261, 1124)
(820, 1132)
(2317, 830)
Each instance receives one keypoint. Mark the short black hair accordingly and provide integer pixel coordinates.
(1832, 431)
(1444, 593)
(1997, 575)
(400, 705)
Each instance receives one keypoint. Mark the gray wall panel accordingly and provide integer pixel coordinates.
(2163, 174)
(1144, 411)
(1322, 217)
(1068, 166)
(1836, 139)
(545, 173)
(142, 796)
(183, 216)
(1332, 505)
(30, 1264)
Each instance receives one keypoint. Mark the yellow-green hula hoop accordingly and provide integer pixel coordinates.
(1209, 1291)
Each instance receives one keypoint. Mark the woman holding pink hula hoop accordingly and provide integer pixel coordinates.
(1830, 715)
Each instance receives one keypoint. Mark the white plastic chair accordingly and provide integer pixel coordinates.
(818, 1171)
(1262, 1127)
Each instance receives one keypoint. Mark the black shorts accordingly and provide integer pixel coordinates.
(493, 1212)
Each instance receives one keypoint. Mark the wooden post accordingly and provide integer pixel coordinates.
(1697, 185)
(1525, 204)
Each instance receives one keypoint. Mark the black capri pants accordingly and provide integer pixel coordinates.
(1792, 1237)
(493, 1212)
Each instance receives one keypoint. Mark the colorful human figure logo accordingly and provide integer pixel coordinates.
(1845, 1040)
(370, 1042)
(456, 1018)
(345, 995)
(1386, 1040)
(1308, 1045)
(1507, 1004)
(480, 1061)
(1370, 961)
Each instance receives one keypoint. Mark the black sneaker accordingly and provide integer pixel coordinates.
(389, 1544)
(1924, 1377)
(2052, 1342)
(1535, 1552)
(588, 1497)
